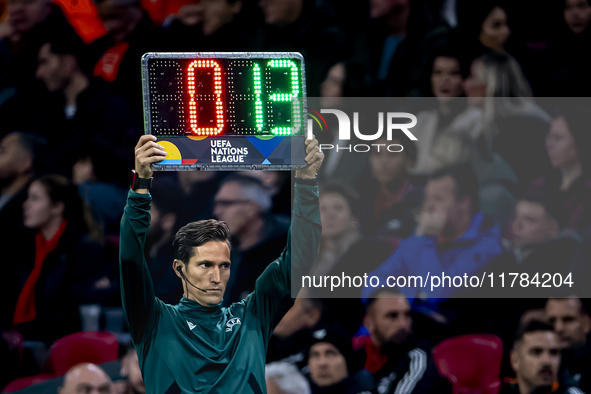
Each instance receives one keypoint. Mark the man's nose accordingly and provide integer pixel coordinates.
(215, 276)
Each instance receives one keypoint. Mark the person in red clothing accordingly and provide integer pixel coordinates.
(59, 269)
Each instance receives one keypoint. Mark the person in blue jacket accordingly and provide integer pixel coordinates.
(198, 346)
(452, 237)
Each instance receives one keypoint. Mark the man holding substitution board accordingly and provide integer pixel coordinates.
(198, 346)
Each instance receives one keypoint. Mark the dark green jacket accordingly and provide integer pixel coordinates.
(188, 348)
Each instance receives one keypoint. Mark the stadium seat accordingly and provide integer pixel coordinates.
(22, 383)
(82, 347)
(471, 362)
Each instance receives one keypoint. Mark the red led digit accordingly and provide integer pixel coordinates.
(219, 105)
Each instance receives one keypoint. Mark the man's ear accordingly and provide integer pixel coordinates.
(514, 357)
(586, 323)
(176, 264)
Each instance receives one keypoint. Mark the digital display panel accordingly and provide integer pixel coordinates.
(223, 100)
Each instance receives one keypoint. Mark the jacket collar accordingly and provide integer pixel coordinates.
(194, 309)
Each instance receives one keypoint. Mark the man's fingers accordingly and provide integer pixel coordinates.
(307, 141)
(315, 156)
(148, 146)
(143, 139)
(311, 145)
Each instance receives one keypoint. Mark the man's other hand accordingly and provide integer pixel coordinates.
(147, 151)
(314, 159)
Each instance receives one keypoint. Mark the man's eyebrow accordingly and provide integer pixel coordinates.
(211, 262)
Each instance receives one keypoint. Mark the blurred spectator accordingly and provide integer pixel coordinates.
(452, 234)
(166, 200)
(60, 269)
(197, 188)
(567, 71)
(225, 27)
(538, 244)
(332, 365)
(389, 198)
(572, 325)
(86, 378)
(258, 238)
(571, 183)
(29, 22)
(103, 190)
(497, 182)
(340, 226)
(19, 158)
(280, 186)
(80, 110)
(305, 27)
(291, 338)
(570, 320)
(535, 358)
(486, 25)
(445, 78)
(83, 16)
(130, 368)
(399, 44)
(399, 362)
(284, 378)
(130, 34)
(511, 123)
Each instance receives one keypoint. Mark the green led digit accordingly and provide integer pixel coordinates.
(294, 94)
(258, 103)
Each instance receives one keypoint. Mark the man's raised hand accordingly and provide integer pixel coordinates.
(147, 152)
(314, 159)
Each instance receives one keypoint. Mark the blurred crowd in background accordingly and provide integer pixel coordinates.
(497, 181)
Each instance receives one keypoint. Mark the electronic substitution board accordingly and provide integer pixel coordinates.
(226, 110)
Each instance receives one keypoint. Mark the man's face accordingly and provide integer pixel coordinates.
(14, 160)
(87, 379)
(577, 14)
(441, 197)
(532, 225)
(208, 269)
(119, 20)
(51, 70)
(388, 321)
(536, 359)
(217, 13)
(281, 12)
(23, 15)
(570, 322)
(327, 364)
(382, 8)
(230, 206)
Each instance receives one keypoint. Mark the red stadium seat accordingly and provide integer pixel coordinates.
(82, 347)
(471, 362)
(22, 383)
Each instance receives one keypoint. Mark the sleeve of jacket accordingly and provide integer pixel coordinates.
(271, 298)
(137, 290)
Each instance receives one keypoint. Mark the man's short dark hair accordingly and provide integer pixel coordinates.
(196, 234)
(465, 180)
(532, 326)
(392, 291)
(347, 193)
(551, 203)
